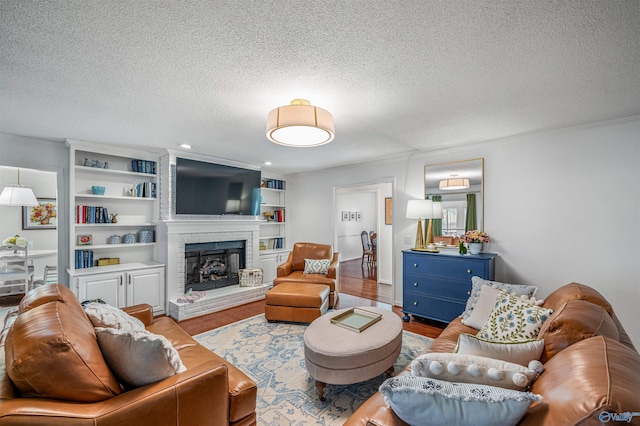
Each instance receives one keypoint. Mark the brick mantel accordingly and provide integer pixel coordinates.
(172, 235)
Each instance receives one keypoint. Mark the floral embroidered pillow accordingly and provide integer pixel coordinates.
(513, 320)
(316, 266)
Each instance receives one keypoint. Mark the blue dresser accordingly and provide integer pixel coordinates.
(437, 285)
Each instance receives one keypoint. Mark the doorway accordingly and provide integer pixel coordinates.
(38, 225)
(361, 208)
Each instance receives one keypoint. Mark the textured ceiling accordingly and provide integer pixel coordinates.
(398, 76)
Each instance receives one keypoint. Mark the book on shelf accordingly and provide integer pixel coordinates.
(275, 243)
(91, 214)
(143, 166)
(273, 183)
(83, 259)
(278, 215)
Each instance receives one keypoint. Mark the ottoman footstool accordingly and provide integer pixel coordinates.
(296, 302)
(338, 356)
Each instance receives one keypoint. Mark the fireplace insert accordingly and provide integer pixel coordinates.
(213, 265)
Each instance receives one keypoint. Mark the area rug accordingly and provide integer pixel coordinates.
(272, 354)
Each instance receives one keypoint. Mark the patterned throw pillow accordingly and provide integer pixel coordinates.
(476, 285)
(416, 399)
(316, 266)
(513, 320)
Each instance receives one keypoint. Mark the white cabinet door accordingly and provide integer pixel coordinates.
(269, 264)
(108, 287)
(146, 286)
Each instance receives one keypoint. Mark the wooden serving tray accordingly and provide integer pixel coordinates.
(356, 319)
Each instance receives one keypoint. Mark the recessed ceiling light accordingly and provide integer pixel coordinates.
(267, 163)
(185, 146)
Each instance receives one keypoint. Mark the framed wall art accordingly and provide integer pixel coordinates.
(42, 216)
(345, 216)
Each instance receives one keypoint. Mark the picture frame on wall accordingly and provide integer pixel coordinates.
(352, 216)
(42, 216)
(359, 216)
(388, 219)
(345, 216)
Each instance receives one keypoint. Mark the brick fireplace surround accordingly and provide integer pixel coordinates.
(172, 237)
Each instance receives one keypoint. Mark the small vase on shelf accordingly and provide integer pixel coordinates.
(475, 248)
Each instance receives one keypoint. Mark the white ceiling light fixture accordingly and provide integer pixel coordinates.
(18, 195)
(300, 125)
(185, 146)
(454, 183)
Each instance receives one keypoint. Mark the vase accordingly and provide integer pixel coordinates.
(475, 248)
(45, 221)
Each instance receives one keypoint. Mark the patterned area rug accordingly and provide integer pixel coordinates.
(272, 354)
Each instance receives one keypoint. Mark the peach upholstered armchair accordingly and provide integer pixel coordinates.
(293, 269)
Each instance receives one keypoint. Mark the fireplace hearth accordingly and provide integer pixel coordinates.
(213, 265)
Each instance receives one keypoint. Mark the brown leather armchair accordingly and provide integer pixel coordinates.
(293, 269)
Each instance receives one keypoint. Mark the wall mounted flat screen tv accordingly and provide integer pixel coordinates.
(215, 189)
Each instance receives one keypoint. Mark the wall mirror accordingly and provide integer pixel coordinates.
(460, 187)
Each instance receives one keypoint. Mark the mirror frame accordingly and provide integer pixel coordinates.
(444, 170)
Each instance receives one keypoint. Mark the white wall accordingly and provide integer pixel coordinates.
(349, 243)
(561, 206)
(48, 156)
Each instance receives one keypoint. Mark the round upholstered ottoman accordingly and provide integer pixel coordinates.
(339, 356)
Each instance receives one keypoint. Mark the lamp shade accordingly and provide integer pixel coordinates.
(18, 195)
(419, 209)
(454, 183)
(300, 125)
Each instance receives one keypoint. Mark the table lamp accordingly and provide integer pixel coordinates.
(436, 213)
(419, 209)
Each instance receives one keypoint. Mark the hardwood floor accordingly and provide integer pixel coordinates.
(358, 288)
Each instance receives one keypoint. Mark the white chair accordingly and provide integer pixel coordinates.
(15, 272)
(50, 276)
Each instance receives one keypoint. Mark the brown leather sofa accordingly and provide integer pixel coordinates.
(591, 366)
(81, 390)
(293, 269)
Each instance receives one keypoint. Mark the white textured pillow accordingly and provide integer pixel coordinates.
(103, 315)
(485, 303)
(519, 353)
(316, 266)
(473, 369)
(421, 400)
(477, 282)
(513, 320)
(138, 358)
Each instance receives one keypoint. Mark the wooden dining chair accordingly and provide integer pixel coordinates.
(374, 249)
(367, 251)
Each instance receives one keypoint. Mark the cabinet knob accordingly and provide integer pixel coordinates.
(415, 303)
(468, 293)
(468, 271)
(415, 284)
(415, 265)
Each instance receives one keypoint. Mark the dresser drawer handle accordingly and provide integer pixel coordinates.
(468, 271)
(415, 303)
(468, 293)
(415, 284)
(415, 265)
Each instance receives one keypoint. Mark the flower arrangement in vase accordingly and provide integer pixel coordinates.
(475, 239)
(15, 241)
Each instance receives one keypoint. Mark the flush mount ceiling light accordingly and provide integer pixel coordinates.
(454, 183)
(18, 195)
(300, 125)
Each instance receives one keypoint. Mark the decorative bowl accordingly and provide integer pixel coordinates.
(97, 190)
